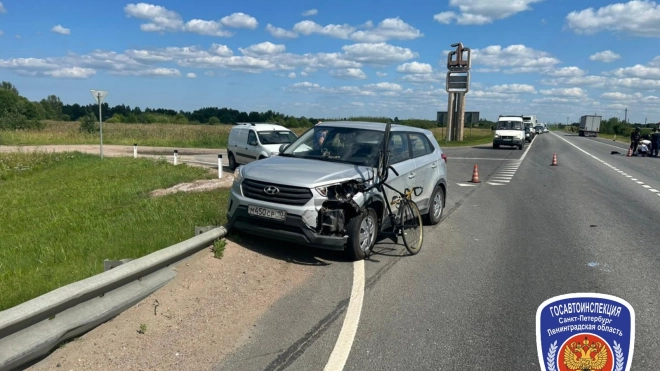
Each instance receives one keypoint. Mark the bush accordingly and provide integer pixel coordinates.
(16, 121)
(88, 123)
(214, 121)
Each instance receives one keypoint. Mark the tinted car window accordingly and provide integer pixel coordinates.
(419, 144)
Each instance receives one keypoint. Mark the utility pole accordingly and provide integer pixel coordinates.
(99, 95)
(626, 117)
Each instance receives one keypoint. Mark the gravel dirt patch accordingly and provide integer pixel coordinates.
(203, 314)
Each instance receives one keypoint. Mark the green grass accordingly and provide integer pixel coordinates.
(64, 213)
(172, 135)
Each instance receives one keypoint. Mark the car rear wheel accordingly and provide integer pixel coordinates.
(362, 233)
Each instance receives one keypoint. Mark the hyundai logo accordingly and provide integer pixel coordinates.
(271, 190)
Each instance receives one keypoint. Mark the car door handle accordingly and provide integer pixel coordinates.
(434, 165)
(412, 175)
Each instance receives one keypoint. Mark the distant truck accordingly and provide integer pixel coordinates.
(589, 126)
(530, 122)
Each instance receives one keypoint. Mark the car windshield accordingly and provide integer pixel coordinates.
(509, 125)
(277, 137)
(339, 144)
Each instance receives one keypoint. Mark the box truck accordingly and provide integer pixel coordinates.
(589, 126)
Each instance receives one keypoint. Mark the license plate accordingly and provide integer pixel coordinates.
(264, 212)
(507, 139)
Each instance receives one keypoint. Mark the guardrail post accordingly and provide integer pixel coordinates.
(219, 166)
(135, 150)
(176, 156)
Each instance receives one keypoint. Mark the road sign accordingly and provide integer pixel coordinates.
(458, 82)
(99, 95)
(469, 118)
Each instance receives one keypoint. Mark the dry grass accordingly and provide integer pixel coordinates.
(172, 135)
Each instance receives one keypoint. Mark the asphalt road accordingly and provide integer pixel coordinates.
(527, 232)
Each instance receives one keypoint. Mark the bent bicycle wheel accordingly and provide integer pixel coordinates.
(412, 230)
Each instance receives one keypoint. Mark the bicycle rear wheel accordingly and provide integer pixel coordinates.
(412, 231)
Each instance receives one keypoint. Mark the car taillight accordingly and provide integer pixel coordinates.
(444, 157)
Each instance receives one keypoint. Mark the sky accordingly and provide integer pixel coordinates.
(556, 59)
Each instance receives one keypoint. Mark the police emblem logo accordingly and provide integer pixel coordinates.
(585, 332)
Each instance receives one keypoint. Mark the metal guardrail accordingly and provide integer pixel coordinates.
(32, 329)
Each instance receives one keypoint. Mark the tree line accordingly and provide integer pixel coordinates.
(19, 113)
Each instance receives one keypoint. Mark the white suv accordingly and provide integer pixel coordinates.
(250, 142)
(308, 194)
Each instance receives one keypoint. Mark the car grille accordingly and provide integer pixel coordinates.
(287, 195)
(507, 137)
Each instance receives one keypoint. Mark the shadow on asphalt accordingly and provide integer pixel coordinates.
(287, 251)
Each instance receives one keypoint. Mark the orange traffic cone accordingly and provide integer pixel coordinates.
(554, 160)
(629, 152)
(475, 175)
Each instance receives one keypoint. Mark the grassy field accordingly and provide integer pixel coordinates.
(64, 213)
(618, 138)
(172, 135)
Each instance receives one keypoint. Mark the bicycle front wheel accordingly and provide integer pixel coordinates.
(410, 220)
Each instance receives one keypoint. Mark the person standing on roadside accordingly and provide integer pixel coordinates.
(635, 136)
(655, 143)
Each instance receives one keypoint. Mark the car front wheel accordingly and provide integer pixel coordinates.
(362, 233)
(436, 206)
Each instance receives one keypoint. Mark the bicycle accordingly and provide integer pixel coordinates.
(407, 208)
(407, 211)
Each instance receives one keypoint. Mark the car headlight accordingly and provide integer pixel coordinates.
(497, 135)
(238, 174)
(323, 191)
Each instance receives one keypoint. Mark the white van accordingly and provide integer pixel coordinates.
(509, 131)
(249, 142)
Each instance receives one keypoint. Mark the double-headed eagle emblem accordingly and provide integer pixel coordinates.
(585, 356)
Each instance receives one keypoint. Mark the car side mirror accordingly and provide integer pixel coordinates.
(284, 146)
(492, 128)
(253, 143)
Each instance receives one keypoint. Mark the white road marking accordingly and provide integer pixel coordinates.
(494, 183)
(610, 166)
(466, 185)
(504, 181)
(346, 337)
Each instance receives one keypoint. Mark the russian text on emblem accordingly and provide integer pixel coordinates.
(585, 332)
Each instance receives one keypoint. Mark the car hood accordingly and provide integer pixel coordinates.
(303, 172)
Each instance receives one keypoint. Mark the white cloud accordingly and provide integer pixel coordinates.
(423, 78)
(620, 96)
(636, 17)
(381, 74)
(265, 48)
(565, 92)
(240, 20)
(209, 28)
(160, 19)
(513, 89)
(566, 72)
(387, 29)
(2, 8)
(518, 58)
(349, 73)
(310, 12)
(71, 73)
(638, 71)
(387, 86)
(605, 56)
(333, 30)
(292, 75)
(478, 12)
(209, 73)
(390, 28)
(280, 32)
(61, 30)
(160, 72)
(2, 32)
(191, 75)
(415, 68)
(377, 53)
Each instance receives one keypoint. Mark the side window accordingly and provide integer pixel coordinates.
(252, 137)
(420, 145)
(399, 150)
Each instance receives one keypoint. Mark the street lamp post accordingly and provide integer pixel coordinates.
(99, 95)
